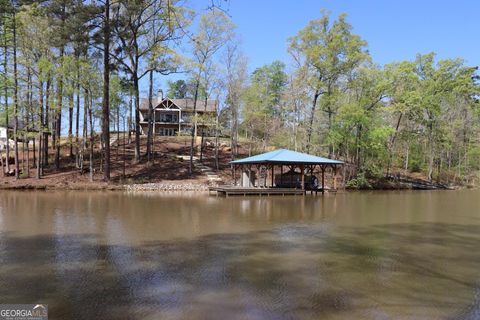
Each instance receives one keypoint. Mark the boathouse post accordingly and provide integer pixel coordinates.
(302, 170)
(281, 174)
(273, 172)
(323, 178)
(250, 175)
(234, 176)
(334, 177)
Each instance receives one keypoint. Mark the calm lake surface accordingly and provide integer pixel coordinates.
(375, 255)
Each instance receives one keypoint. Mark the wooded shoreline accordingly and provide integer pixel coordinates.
(178, 186)
(72, 74)
(168, 171)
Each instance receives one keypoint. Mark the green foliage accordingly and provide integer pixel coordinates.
(262, 98)
(177, 89)
(359, 182)
(473, 156)
(420, 116)
(328, 53)
(214, 30)
(330, 47)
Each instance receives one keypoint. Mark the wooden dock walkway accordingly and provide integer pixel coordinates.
(243, 191)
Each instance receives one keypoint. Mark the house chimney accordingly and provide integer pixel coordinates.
(159, 96)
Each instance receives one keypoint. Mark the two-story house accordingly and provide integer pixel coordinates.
(175, 116)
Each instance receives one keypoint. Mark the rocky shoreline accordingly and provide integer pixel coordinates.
(109, 187)
(192, 185)
(166, 187)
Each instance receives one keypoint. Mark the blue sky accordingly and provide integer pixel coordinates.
(395, 29)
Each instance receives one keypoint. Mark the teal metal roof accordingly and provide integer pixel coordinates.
(287, 157)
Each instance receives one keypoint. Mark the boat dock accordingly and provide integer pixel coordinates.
(258, 175)
(246, 191)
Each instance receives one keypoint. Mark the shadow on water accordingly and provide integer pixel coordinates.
(292, 271)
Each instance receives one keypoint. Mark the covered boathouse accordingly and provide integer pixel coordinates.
(280, 172)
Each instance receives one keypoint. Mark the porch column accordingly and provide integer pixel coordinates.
(179, 121)
(154, 120)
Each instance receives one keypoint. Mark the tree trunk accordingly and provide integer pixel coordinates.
(150, 117)
(47, 121)
(431, 158)
(5, 70)
(40, 132)
(118, 132)
(194, 133)
(201, 146)
(406, 157)
(39, 157)
(358, 152)
(392, 143)
(216, 140)
(85, 132)
(130, 119)
(124, 150)
(34, 149)
(137, 117)
(91, 138)
(58, 117)
(77, 119)
(106, 92)
(234, 131)
(26, 119)
(311, 118)
(100, 165)
(70, 123)
(15, 96)
(58, 114)
(25, 156)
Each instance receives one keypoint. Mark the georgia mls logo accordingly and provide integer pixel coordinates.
(23, 312)
(40, 311)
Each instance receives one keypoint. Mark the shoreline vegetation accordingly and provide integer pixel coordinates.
(72, 74)
(169, 172)
(381, 185)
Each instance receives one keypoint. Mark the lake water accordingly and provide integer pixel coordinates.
(375, 255)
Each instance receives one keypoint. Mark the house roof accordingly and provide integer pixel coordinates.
(286, 157)
(184, 104)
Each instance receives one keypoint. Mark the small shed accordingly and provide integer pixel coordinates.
(3, 132)
(279, 160)
(3, 137)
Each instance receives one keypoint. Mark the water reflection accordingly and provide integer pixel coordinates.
(135, 256)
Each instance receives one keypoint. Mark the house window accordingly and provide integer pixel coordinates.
(167, 132)
(168, 118)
